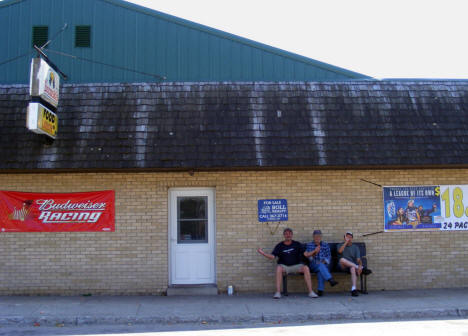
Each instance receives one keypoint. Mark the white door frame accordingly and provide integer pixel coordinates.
(172, 211)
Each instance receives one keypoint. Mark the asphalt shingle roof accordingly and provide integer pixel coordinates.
(242, 125)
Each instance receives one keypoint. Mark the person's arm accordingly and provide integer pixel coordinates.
(357, 253)
(326, 254)
(312, 253)
(359, 270)
(308, 254)
(358, 259)
(359, 262)
(342, 247)
(266, 255)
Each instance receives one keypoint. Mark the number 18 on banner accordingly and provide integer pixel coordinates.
(454, 207)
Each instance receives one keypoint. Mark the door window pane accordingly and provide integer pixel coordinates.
(193, 231)
(192, 220)
(192, 207)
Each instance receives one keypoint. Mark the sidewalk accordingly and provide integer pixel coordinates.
(77, 310)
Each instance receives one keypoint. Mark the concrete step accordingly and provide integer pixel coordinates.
(192, 290)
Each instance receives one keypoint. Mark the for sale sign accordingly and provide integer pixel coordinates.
(272, 210)
(53, 212)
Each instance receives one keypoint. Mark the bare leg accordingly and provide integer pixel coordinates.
(308, 281)
(352, 269)
(279, 278)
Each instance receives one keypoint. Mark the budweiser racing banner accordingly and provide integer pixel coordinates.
(54, 212)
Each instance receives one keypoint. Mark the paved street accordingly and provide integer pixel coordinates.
(445, 309)
(457, 327)
(253, 308)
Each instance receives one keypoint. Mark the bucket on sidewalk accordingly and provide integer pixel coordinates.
(230, 290)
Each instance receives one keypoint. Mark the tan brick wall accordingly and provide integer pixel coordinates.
(134, 259)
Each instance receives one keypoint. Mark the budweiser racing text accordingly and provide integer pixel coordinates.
(69, 217)
(68, 205)
(74, 214)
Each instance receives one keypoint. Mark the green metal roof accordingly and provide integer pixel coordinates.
(125, 35)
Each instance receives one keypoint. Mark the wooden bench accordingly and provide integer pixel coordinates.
(334, 268)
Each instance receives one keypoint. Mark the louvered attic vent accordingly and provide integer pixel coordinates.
(40, 35)
(83, 36)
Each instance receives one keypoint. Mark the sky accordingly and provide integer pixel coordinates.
(378, 38)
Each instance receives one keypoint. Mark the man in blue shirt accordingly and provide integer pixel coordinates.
(319, 255)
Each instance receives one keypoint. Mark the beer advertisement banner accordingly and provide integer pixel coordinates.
(428, 208)
(57, 212)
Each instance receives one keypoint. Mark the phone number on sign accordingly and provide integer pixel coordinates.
(454, 226)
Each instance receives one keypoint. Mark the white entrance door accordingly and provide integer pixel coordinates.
(192, 236)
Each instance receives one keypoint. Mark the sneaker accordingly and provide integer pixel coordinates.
(332, 282)
(354, 293)
(320, 292)
(313, 295)
(277, 295)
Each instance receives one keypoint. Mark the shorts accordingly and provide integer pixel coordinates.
(292, 268)
(343, 268)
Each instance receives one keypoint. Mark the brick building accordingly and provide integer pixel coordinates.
(223, 147)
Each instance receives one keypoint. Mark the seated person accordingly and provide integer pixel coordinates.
(319, 255)
(349, 258)
(289, 253)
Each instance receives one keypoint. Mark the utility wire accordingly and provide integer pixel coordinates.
(65, 26)
(51, 64)
(106, 64)
(372, 233)
(16, 57)
(378, 185)
(31, 52)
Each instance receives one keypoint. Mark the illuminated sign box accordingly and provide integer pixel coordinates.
(44, 82)
(41, 120)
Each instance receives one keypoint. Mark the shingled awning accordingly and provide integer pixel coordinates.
(173, 126)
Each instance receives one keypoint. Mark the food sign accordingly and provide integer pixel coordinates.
(41, 120)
